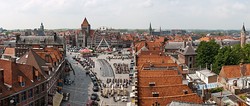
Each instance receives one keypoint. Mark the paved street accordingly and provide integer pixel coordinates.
(79, 89)
(105, 68)
(109, 101)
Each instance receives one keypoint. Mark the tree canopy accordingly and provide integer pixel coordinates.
(206, 53)
(231, 55)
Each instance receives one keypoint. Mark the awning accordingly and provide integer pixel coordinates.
(57, 99)
(208, 86)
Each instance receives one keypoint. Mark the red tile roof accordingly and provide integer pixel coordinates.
(154, 67)
(160, 80)
(11, 72)
(145, 73)
(9, 51)
(235, 71)
(163, 101)
(146, 91)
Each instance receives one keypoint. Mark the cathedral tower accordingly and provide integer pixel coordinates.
(150, 29)
(243, 36)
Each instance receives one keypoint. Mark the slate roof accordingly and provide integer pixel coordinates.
(52, 40)
(174, 45)
(188, 50)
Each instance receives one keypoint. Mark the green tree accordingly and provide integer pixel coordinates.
(206, 53)
(246, 51)
(219, 60)
(228, 56)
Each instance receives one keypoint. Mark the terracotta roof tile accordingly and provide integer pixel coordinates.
(232, 71)
(159, 80)
(12, 71)
(9, 51)
(163, 101)
(144, 73)
(170, 90)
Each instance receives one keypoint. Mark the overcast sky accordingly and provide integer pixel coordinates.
(132, 14)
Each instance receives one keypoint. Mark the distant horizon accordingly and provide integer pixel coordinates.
(126, 14)
(127, 29)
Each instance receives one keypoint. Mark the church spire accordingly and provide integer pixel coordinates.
(243, 36)
(160, 30)
(42, 27)
(243, 28)
(150, 29)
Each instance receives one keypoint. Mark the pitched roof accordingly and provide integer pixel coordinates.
(33, 59)
(85, 22)
(145, 73)
(9, 51)
(173, 45)
(11, 73)
(170, 90)
(54, 40)
(188, 50)
(235, 71)
(160, 80)
(191, 98)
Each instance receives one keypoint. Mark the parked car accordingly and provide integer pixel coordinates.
(124, 99)
(94, 96)
(92, 103)
(95, 88)
(87, 72)
(95, 83)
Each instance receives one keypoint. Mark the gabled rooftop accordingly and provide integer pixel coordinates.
(163, 101)
(235, 71)
(160, 80)
(85, 22)
(169, 90)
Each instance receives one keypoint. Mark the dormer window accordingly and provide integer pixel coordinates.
(155, 94)
(22, 84)
(21, 81)
(151, 83)
(37, 76)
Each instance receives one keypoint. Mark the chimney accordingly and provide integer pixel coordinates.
(13, 60)
(55, 36)
(242, 70)
(184, 44)
(7, 75)
(1, 76)
(20, 79)
(17, 38)
(36, 73)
